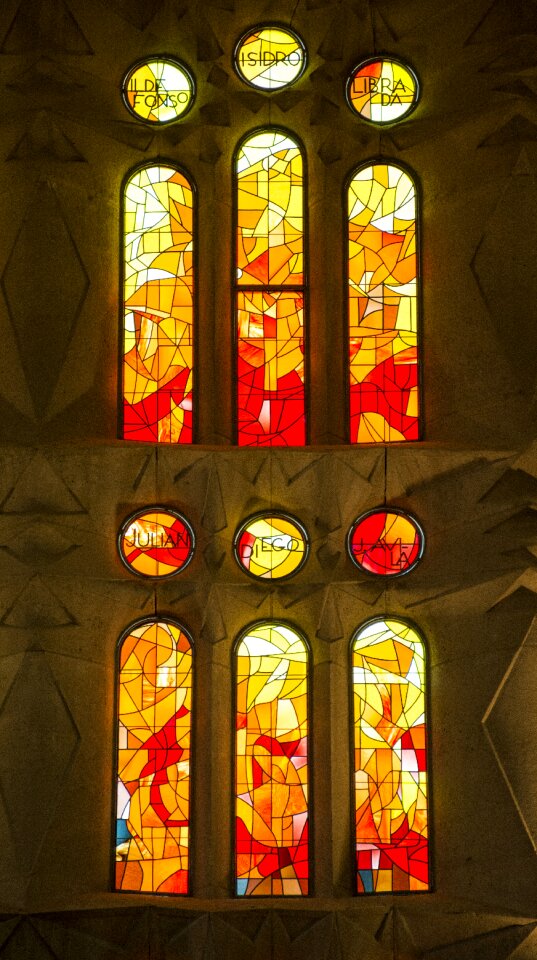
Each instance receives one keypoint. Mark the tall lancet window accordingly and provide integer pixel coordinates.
(157, 360)
(383, 305)
(390, 758)
(271, 403)
(153, 758)
(271, 762)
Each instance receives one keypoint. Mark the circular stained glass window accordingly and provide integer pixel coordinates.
(386, 542)
(156, 542)
(271, 546)
(270, 57)
(158, 90)
(382, 90)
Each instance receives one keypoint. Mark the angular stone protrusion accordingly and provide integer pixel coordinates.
(39, 489)
(213, 627)
(504, 19)
(38, 542)
(517, 130)
(45, 76)
(214, 516)
(46, 25)
(207, 44)
(39, 739)
(37, 607)
(43, 140)
(330, 150)
(500, 944)
(45, 285)
(330, 627)
(394, 934)
(139, 13)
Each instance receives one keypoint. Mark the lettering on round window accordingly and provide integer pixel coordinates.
(159, 90)
(270, 57)
(382, 90)
(385, 542)
(156, 542)
(271, 546)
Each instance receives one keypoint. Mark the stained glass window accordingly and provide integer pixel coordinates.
(271, 546)
(386, 542)
(158, 317)
(156, 542)
(390, 758)
(382, 90)
(153, 792)
(271, 845)
(270, 57)
(382, 305)
(159, 90)
(270, 291)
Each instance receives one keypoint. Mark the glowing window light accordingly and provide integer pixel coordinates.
(271, 546)
(390, 758)
(271, 763)
(158, 306)
(383, 305)
(270, 290)
(158, 90)
(386, 542)
(270, 57)
(153, 759)
(382, 90)
(156, 542)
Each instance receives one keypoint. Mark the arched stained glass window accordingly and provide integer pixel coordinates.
(271, 760)
(382, 305)
(270, 290)
(390, 758)
(153, 761)
(158, 306)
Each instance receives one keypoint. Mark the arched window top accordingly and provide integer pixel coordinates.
(153, 759)
(383, 304)
(158, 236)
(269, 166)
(390, 751)
(271, 762)
(269, 291)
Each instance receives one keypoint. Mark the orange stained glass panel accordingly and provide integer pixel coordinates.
(156, 542)
(158, 316)
(271, 400)
(390, 758)
(154, 730)
(270, 211)
(271, 840)
(383, 306)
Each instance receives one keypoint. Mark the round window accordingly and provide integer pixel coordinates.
(271, 546)
(159, 90)
(386, 542)
(382, 90)
(156, 542)
(270, 57)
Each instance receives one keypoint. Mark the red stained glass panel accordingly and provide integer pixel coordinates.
(270, 293)
(383, 345)
(153, 761)
(386, 542)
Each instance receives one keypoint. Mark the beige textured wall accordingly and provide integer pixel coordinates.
(66, 482)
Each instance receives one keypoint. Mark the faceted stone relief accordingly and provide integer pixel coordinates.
(39, 739)
(47, 25)
(45, 307)
(509, 725)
